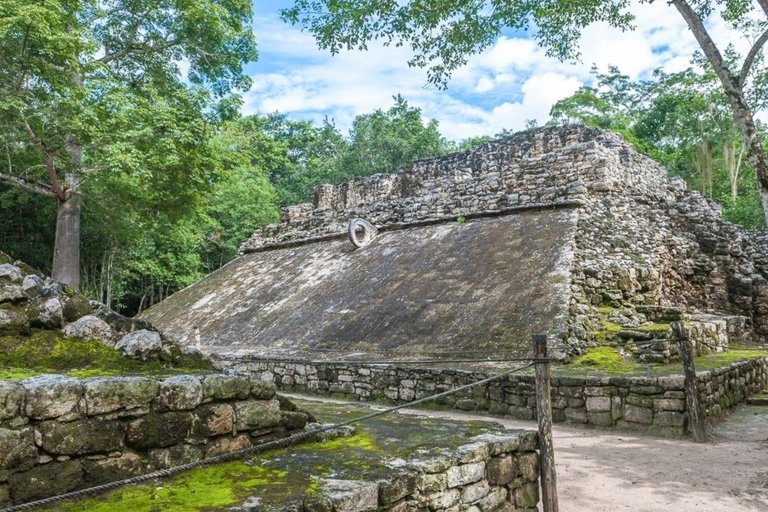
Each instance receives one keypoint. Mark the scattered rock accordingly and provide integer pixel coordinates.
(10, 273)
(90, 327)
(143, 345)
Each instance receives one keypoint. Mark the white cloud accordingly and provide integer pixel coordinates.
(510, 82)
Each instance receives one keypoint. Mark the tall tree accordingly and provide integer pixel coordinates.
(444, 33)
(69, 69)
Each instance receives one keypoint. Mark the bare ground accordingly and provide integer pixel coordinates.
(607, 471)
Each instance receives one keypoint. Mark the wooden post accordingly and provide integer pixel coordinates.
(691, 389)
(544, 415)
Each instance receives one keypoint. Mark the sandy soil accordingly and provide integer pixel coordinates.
(603, 471)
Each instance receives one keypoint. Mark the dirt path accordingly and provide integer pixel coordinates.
(601, 471)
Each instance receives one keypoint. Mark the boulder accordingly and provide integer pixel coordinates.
(90, 327)
(76, 307)
(12, 293)
(33, 285)
(13, 321)
(143, 345)
(10, 273)
(48, 314)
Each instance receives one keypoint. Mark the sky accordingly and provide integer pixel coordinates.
(501, 88)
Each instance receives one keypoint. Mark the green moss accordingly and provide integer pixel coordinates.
(360, 441)
(604, 359)
(605, 310)
(204, 489)
(655, 327)
(44, 351)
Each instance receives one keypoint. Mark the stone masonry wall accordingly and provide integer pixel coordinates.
(493, 473)
(655, 404)
(59, 434)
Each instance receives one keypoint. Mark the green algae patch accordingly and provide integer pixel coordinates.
(604, 359)
(200, 490)
(655, 327)
(46, 351)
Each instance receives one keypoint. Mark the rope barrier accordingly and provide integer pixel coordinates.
(278, 443)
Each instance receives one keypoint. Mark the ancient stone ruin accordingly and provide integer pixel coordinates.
(567, 231)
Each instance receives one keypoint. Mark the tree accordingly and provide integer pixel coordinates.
(86, 86)
(443, 33)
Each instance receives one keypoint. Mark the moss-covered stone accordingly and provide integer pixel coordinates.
(75, 307)
(46, 480)
(81, 437)
(159, 430)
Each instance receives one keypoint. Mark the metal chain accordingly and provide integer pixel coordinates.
(278, 443)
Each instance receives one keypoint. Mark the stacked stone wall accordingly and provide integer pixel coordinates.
(655, 404)
(59, 434)
(493, 473)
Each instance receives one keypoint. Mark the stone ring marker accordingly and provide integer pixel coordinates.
(361, 232)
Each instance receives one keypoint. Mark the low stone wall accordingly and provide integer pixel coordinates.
(493, 473)
(653, 404)
(58, 434)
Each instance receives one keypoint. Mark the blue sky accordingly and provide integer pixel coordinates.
(500, 88)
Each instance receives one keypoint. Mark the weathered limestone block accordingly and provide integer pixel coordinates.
(179, 393)
(111, 469)
(669, 404)
(226, 387)
(256, 414)
(601, 419)
(90, 327)
(224, 445)
(17, 448)
(494, 499)
(76, 307)
(142, 344)
(52, 396)
(638, 414)
(598, 404)
(432, 482)
(465, 474)
(293, 420)
(474, 492)
(174, 456)
(213, 420)
(48, 314)
(262, 389)
(11, 399)
(12, 293)
(108, 394)
(13, 320)
(473, 452)
(11, 273)
(350, 495)
(529, 465)
(669, 419)
(501, 470)
(527, 495)
(81, 437)
(444, 500)
(499, 443)
(46, 480)
(397, 487)
(33, 286)
(159, 430)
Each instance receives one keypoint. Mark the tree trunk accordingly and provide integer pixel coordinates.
(66, 250)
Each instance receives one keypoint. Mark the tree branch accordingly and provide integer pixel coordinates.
(56, 187)
(764, 5)
(751, 57)
(128, 46)
(27, 185)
